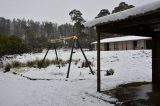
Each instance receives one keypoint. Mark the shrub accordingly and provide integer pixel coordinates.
(16, 64)
(36, 63)
(7, 68)
(31, 63)
(60, 62)
(45, 64)
(63, 63)
(86, 64)
(109, 72)
(54, 61)
(12, 45)
(39, 63)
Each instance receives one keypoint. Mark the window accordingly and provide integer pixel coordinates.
(115, 46)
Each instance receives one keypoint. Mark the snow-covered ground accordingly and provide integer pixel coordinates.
(80, 88)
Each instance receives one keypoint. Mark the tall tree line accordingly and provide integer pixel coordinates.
(32, 31)
(37, 34)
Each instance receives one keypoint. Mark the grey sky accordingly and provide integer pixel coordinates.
(58, 10)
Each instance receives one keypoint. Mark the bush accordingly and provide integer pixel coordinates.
(35, 63)
(7, 68)
(39, 63)
(31, 63)
(37, 50)
(16, 64)
(45, 64)
(54, 61)
(12, 45)
(60, 62)
(109, 72)
(86, 64)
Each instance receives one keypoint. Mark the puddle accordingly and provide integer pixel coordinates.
(135, 96)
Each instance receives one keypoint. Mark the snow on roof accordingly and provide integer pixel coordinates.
(124, 38)
(124, 14)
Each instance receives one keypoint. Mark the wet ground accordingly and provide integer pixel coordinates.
(135, 95)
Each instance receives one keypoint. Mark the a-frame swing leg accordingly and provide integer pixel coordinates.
(70, 60)
(56, 55)
(85, 56)
(45, 56)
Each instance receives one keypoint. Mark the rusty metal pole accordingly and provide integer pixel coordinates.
(98, 62)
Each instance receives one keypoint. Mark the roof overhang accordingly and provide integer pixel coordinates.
(143, 21)
(122, 39)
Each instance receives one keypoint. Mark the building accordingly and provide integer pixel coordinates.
(123, 43)
(139, 21)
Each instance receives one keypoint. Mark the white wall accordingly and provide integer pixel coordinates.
(125, 45)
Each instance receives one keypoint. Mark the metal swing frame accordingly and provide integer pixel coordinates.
(75, 40)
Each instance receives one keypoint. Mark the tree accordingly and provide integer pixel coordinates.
(12, 45)
(122, 6)
(65, 29)
(76, 16)
(102, 13)
(4, 26)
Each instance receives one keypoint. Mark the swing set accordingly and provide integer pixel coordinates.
(74, 41)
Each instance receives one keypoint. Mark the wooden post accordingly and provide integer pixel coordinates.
(98, 62)
(156, 62)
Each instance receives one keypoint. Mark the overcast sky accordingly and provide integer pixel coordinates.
(57, 11)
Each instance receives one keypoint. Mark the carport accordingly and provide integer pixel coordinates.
(139, 21)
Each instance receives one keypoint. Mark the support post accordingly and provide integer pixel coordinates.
(85, 56)
(156, 62)
(56, 54)
(70, 60)
(45, 56)
(98, 62)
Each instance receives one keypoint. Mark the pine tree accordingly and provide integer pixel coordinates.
(102, 13)
(122, 6)
(76, 16)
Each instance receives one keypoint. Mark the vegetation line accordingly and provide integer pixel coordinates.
(33, 79)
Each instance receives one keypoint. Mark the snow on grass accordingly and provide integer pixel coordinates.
(80, 88)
